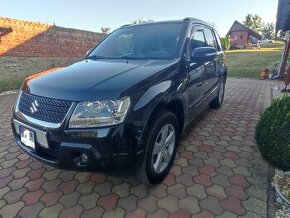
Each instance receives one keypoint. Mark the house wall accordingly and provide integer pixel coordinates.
(239, 38)
(20, 38)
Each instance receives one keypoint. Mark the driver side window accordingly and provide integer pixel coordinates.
(198, 39)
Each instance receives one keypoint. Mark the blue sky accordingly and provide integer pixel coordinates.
(93, 14)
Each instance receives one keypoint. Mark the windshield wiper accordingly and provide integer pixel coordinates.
(97, 57)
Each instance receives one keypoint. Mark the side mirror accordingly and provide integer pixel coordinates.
(203, 54)
(88, 52)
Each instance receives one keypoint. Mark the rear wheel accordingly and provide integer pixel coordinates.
(218, 100)
(160, 148)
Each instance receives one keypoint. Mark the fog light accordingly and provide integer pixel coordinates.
(84, 158)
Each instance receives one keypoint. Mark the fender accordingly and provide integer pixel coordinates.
(151, 93)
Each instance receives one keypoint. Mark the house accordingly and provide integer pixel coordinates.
(242, 36)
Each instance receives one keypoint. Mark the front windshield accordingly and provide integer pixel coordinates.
(153, 41)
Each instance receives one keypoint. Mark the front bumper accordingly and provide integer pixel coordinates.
(110, 149)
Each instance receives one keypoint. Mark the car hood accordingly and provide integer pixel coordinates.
(93, 79)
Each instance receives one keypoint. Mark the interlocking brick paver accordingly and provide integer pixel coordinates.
(216, 191)
(203, 179)
(138, 213)
(32, 197)
(234, 205)
(158, 191)
(14, 196)
(68, 187)
(36, 174)
(51, 174)
(2, 203)
(5, 180)
(237, 191)
(51, 198)
(211, 204)
(6, 172)
(103, 189)
(89, 201)
(51, 186)
(158, 214)
(73, 212)
(169, 203)
(190, 204)
(108, 202)
(122, 190)
(185, 179)
(117, 213)
(169, 180)
(128, 203)
(95, 212)
(34, 185)
(18, 183)
(11, 210)
(66, 175)
(178, 191)
(23, 163)
(85, 188)
(70, 200)
(204, 214)
(148, 203)
(32, 210)
(180, 213)
(98, 178)
(197, 191)
(191, 170)
(218, 171)
(3, 191)
(83, 177)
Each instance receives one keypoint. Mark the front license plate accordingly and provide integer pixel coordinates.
(27, 137)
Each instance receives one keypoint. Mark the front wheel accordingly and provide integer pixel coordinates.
(160, 148)
(218, 100)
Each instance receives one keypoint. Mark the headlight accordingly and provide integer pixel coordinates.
(99, 113)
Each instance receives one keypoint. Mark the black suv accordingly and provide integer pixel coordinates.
(123, 108)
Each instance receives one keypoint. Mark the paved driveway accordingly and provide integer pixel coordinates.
(218, 171)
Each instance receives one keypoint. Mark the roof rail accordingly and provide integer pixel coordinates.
(187, 18)
(126, 25)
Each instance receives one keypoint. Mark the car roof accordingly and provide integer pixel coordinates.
(189, 20)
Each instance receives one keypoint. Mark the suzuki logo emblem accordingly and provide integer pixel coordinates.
(33, 108)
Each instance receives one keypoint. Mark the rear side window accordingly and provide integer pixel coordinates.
(218, 40)
(210, 39)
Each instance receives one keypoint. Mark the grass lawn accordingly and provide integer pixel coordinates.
(250, 62)
(13, 70)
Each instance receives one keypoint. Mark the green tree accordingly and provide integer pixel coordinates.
(105, 30)
(141, 20)
(253, 22)
(213, 25)
(268, 31)
(282, 34)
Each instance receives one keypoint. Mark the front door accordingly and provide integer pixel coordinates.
(196, 74)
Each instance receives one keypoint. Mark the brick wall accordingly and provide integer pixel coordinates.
(20, 38)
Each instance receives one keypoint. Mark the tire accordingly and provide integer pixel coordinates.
(160, 148)
(218, 100)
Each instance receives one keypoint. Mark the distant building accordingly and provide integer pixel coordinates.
(242, 36)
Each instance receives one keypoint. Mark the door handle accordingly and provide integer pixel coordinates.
(199, 84)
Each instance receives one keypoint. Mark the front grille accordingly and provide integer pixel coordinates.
(48, 109)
